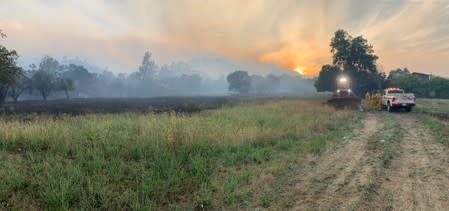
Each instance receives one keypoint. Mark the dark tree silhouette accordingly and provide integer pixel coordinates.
(239, 81)
(354, 57)
(326, 78)
(44, 82)
(23, 83)
(9, 71)
(147, 68)
(64, 84)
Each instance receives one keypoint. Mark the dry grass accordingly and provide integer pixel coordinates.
(135, 161)
(432, 105)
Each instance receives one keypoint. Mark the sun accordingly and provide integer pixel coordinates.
(299, 70)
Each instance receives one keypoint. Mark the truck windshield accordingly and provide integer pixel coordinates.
(395, 91)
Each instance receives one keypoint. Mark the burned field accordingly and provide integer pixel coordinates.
(120, 105)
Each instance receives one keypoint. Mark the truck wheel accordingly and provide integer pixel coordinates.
(389, 108)
(408, 109)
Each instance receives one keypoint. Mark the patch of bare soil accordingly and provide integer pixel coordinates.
(419, 176)
(334, 179)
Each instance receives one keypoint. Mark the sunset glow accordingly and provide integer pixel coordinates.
(294, 35)
(299, 70)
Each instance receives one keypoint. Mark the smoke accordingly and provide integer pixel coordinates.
(187, 78)
(291, 34)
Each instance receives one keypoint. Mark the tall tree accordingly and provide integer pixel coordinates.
(354, 57)
(2, 35)
(326, 78)
(64, 84)
(239, 81)
(148, 67)
(82, 80)
(44, 82)
(50, 65)
(23, 83)
(9, 71)
(340, 48)
(48, 77)
(352, 54)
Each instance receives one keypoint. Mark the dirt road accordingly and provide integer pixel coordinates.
(419, 177)
(352, 175)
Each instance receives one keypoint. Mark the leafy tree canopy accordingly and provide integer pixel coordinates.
(44, 82)
(436, 87)
(352, 54)
(148, 67)
(326, 78)
(354, 57)
(9, 71)
(239, 81)
(50, 65)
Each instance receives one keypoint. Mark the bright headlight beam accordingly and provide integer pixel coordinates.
(343, 80)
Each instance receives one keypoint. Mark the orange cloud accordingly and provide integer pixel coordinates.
(305, 61)
(292, 34)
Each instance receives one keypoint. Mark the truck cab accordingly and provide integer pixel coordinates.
(395, 98)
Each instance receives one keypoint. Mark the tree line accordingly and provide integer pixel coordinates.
(434, 87)
(242, 82)
(51, 79)
(355, 57)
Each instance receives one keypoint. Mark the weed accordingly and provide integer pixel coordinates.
(368, 188)
(386, 157)
(266, 200)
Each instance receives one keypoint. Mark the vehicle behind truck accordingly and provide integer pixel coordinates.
(395, 98)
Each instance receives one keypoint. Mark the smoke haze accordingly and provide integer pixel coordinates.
(293, 35)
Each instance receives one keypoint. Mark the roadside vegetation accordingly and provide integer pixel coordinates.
(427, 105)
(435, 115)
(438, 127)
(432, 87)
(134, 161)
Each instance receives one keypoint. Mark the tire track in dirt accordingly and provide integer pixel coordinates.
(335, 179)
(418, 178)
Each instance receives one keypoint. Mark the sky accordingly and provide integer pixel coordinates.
(291, 34)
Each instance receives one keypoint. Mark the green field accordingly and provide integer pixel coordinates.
(432, 105)
(215, 159)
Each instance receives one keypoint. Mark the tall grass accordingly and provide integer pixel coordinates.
(439, 128)
(140, 162)
(432, 105)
